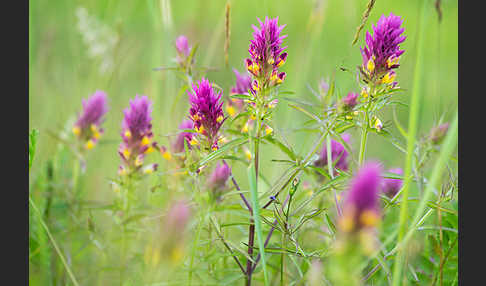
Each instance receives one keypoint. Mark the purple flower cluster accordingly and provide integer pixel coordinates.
(361, 207)
(392, 186)
(206, 112)
(137, 136)
(266, 53)
(339, 154)
(88, 126)
(382, 51)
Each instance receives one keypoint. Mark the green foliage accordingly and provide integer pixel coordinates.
(89, 226)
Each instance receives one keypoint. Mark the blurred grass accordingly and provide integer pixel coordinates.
(319, 43)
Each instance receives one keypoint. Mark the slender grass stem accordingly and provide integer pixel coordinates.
(53, 241)
(412, 130)
(362, 145)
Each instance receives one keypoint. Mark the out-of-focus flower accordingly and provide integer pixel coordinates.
(137, 137)
(361, 209)
(350, 100)
(218, 178)
(323, 87)
(392, 186)
(168, 243)
(183, 50)
(206, 112)
(177, 217)
(178, 144)
(348, 103)
(182, 46)
(266, 53)
(243, 84)
(88, 126)
(100, 39)
(438, 133)
(339, 154)
(382, 51)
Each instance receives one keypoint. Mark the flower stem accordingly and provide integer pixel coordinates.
(362, 146)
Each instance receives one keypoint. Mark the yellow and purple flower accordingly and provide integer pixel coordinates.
(206, 112)
(392, 186)
(88, 126)
(137, 137)
(267, 53)
(361, 208)
(381, 53)
(339, 155)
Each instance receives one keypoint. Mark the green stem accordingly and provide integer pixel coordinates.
(362, 146)
(412, 130)
(39, 216)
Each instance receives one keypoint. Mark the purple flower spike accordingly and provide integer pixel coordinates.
(218, 178)
(361, 207)
(137, 135)
(382, 51)
(87, 127)
(178, 144)
(339, 154)
(266, 51)
(206, 112)
(392, 186)
(350, 100)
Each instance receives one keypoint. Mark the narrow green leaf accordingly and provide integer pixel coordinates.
(256, 218)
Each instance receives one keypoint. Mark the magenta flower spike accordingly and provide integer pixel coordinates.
(137, 136)
(361, 207)
(88, 126)
(382, 52)
(206, 112)
(392, 186)
(339, 154)
(266, 52)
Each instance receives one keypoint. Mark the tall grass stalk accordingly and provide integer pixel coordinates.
(53, 241)
(256, 216)
(412, 130)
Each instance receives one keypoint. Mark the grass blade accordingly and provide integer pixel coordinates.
(412, 130)
(256, 218)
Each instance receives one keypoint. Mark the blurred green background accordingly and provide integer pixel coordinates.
(70, 59)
